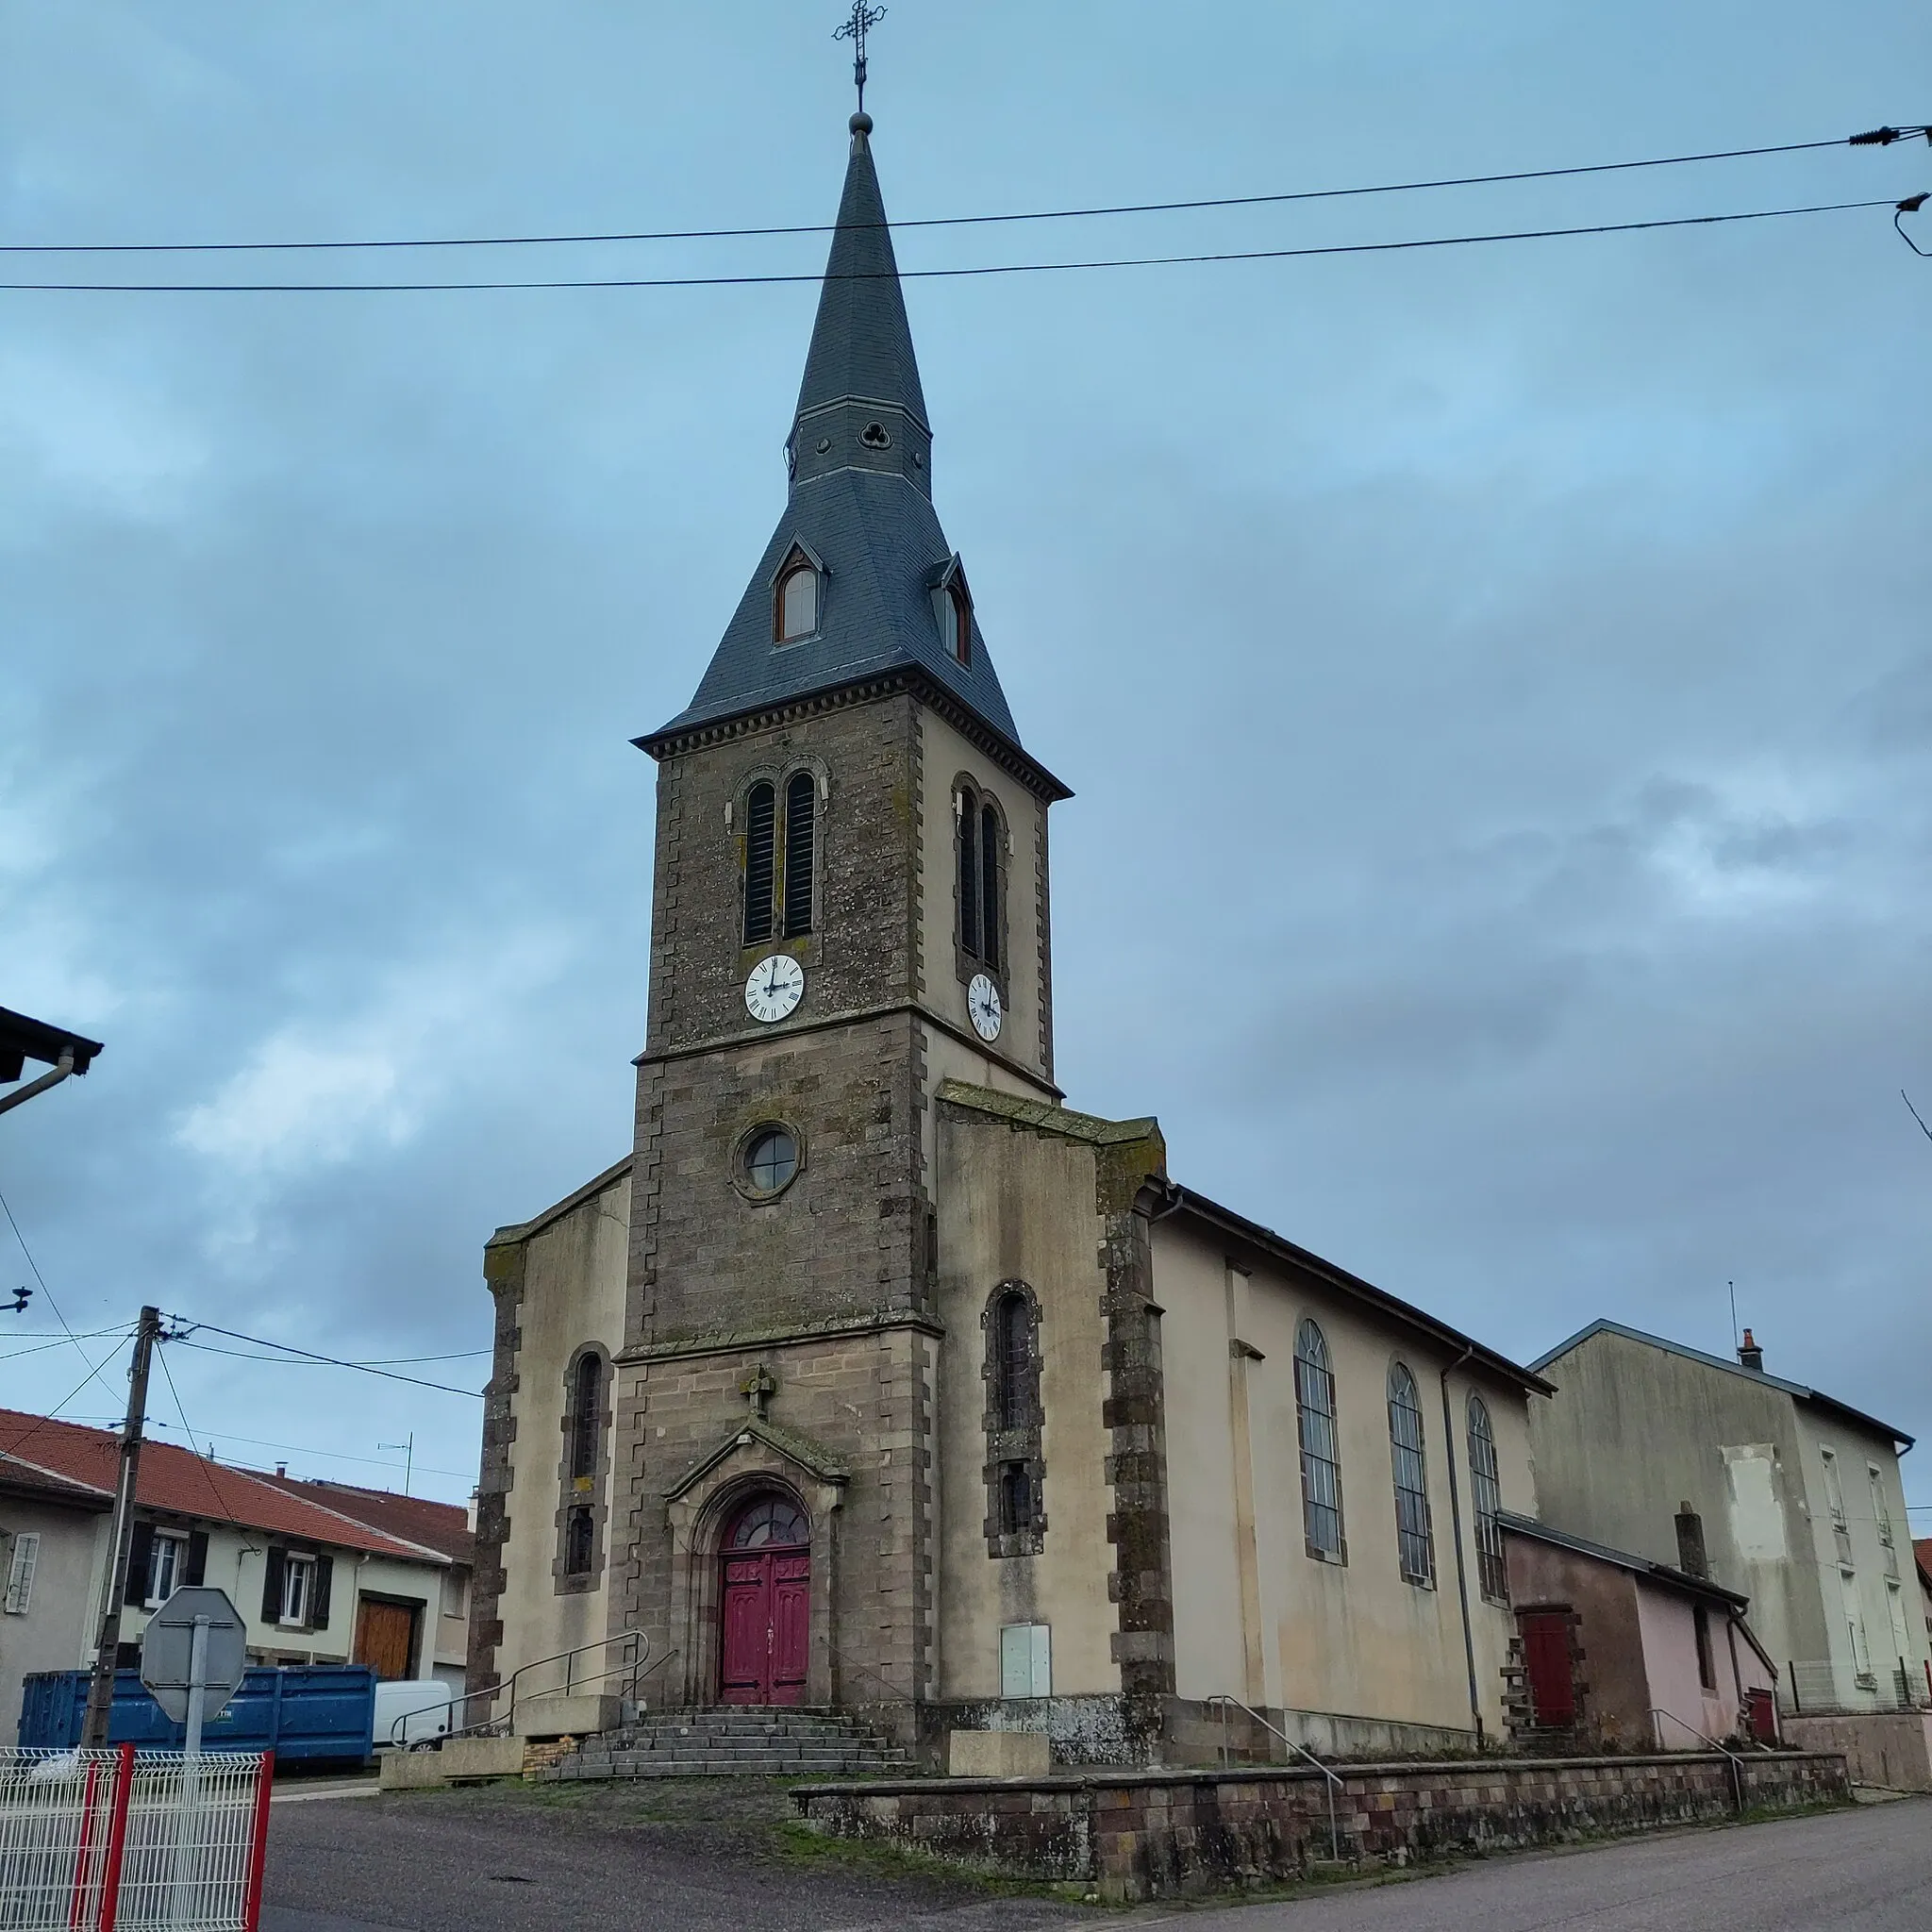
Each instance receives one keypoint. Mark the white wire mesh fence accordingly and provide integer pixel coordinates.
(109, 1842)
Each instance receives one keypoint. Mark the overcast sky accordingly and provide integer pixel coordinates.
(1496, 683)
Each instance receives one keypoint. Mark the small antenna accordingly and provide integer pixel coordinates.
(1733, 1287)
(863, 20)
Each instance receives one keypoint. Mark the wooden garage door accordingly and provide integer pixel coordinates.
(385, 1637)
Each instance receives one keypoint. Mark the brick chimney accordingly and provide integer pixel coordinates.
(1690, 1556)
(1751, 1355)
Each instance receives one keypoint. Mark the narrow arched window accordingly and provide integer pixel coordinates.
(579, 1542)
(760, 861)
(1415, 1546)
(969, 874)
(1314, 1408)
(586, 1414)
(1485, 1497)
(796, 614)
(990, 886)
(801, 803)
(1015, 1360)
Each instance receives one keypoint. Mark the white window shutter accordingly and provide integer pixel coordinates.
(20, 1573)
(1042, 1660)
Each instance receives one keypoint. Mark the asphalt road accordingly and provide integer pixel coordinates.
(1863, 1871)
(618, 1861)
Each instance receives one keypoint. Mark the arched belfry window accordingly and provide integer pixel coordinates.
(761, 861)
(1485, 1498)
(1015, 1421)
(1414, 1544)
(1321, 1453)
(795, 606)
(801, 801)
(981, 887)
(780, 857)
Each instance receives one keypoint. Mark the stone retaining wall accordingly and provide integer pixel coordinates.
(1141, 1834)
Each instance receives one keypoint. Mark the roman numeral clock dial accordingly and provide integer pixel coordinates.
(774, 989)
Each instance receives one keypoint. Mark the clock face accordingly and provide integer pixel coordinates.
(983, 1004)
(775, 986)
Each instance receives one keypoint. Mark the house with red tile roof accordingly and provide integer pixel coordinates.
(316, 1582)
(444, 1528)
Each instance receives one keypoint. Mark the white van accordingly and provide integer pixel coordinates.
(411, 1711)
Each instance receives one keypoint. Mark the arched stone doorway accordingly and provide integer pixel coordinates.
(764, 1635)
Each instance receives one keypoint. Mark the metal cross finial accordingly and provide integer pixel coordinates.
(863, 20)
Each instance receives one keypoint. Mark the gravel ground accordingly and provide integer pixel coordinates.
(689, 1855)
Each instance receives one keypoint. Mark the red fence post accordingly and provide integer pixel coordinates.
(258, 1850)
(117, 1839)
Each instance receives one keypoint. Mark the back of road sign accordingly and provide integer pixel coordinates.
(167, 1650)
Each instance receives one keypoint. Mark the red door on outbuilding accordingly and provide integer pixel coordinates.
(1546, 1657)
(765, 1636)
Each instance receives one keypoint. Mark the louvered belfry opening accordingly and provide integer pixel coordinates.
(760, 861)
(969, 875)
(990, 887)
(801, 802)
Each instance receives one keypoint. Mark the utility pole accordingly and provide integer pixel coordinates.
(100, 1689)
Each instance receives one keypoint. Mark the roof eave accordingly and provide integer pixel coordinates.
(1796, 1390)
(1279, 1247)
(1517, 1523)
(678, 737)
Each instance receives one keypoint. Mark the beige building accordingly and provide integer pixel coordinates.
(1795, 1497)
(877, 1379)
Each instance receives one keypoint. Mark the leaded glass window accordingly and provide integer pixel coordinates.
(1486, 1494)
(1314, 1406)
(1415, 1546)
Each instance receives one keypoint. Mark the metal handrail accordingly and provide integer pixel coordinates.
(1334, 1782)
(866, 1670)
(566, 1658)
(1732, 1756)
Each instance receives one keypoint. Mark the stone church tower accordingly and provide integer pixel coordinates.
(849, 1387)
(809, 984)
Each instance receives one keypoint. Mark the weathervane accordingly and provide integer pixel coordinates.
(863, 20)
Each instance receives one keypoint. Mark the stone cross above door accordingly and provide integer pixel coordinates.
(757, 1390)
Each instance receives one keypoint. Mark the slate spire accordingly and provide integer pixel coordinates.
(859, 505)
(861, 343)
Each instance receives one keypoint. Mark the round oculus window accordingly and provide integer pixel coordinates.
(770, 1159)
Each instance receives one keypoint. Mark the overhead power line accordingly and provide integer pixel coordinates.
(1877, 136)
(66, 1325)
(185, 1327)
(1010, 267)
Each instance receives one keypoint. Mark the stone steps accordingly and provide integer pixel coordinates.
(734, 1742)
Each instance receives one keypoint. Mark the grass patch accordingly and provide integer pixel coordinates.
(799, 1844)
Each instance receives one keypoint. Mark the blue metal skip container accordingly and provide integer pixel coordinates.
(306, 1714)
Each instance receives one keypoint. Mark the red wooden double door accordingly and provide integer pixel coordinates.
(766, 1609)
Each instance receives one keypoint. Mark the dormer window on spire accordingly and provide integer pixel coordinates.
(795, 606)
(952, 604)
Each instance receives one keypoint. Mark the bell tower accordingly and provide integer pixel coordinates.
(850, 905)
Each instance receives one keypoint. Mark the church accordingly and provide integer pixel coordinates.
(875, 1378)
